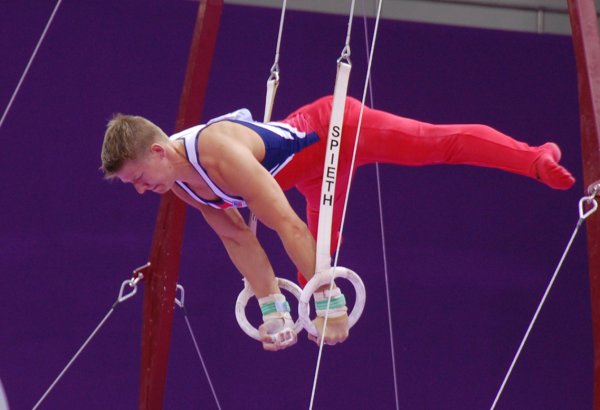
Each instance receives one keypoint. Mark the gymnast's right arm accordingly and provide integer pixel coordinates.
(243, 248)
(251, 260)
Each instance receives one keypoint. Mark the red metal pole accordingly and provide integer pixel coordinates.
(161, 277)
(586, 42)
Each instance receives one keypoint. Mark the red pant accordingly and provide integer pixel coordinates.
(391, 139)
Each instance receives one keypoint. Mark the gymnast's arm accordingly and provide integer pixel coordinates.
(247, 255)
(243, 248)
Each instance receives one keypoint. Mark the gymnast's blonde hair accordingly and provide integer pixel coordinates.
(127, 137)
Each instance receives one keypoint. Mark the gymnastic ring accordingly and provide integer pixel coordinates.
(247, 293)
(324, 278)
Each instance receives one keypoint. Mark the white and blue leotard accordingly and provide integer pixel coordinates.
(281, 141)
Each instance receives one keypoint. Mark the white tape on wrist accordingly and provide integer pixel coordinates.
(325, 294)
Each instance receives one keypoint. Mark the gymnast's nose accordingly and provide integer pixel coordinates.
(140, 187)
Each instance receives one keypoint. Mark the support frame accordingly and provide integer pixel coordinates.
(586, 44)
(161, 276)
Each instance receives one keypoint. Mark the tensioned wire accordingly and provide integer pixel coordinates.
(360, 116)
(278, 46)
(582, 217)
(382, 228)
(181, 303)
(37, 47)
(121, 298)
(272, 84)
(75, 356)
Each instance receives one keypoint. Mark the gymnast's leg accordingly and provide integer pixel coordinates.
(393, 139)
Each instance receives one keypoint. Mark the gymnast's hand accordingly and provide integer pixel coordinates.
(337, 330)
(277, 334)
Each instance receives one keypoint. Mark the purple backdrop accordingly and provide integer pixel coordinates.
(470, 251)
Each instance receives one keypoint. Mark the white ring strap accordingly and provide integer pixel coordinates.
(334, 137)
(247, 293)
(323, 271)
(346, 54)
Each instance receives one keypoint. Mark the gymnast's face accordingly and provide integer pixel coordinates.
(149, 172)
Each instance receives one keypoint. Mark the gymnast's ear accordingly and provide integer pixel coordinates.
(158, 148)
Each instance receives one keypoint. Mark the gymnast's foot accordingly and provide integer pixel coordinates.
(547, 169)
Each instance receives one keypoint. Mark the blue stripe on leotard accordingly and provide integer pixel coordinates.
(281, 145)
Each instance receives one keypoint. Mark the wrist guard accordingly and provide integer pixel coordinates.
(337, 303)
(275, 313)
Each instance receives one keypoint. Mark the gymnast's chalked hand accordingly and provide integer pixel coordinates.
(337, 330)
(277, 336)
